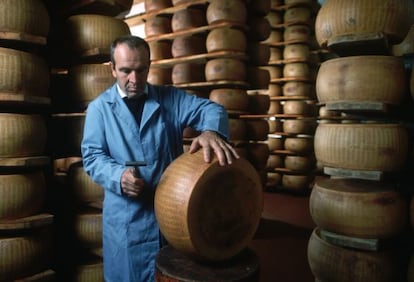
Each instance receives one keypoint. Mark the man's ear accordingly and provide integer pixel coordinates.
(112, 66)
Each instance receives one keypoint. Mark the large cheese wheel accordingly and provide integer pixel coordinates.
(275, 125)
(91, 271)
(295, 70)
(296, 52)
(207, 210)
(226, 39)
(297, 15)
(160, 49)
(18, 130)
(275, 143)
(187, 19)
(298, 88)
(187, 73)
(27, 18)
(159, 75)
(368, 17)
(274, 161)
(275, 18)
(362, 146)
(84, 188)
(156, 5)
(362, 79)
(89, 80)
(358, 208)
(88, 229)
(296, 182)
(299, 163)
(238, 130)
(25, 255)
(297, 33)
(257, 129)
(299, 144)
(225, 69)
(188, 45)
(232, 99)
(298, 107)
(257, 154)
(157, 25)
(226, 11)
(88, 33)
(21, 194)
(23, 73)
(299, 126)
(258, 103)
(329, 262)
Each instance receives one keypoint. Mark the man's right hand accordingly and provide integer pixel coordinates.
(131, 185)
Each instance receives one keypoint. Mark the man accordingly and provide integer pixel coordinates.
(152, 133)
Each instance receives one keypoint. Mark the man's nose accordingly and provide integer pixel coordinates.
(133, 75)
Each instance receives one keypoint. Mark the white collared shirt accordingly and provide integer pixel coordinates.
(122, 93)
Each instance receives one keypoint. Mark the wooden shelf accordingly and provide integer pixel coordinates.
(10, 98)
(199, 58)
(196, 30)
(140, 19)
(24, 161)
(27, 222)
(24, 37)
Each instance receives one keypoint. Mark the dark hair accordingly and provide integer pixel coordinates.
(133, 42)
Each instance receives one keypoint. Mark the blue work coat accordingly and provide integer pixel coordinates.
(111, 137)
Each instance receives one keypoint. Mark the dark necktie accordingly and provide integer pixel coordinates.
(136, 106)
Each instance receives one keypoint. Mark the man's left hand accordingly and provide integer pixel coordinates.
(212, 142)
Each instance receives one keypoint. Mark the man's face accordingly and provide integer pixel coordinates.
(131, 69)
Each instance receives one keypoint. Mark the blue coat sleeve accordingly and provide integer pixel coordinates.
(199, 113)
(97, 160)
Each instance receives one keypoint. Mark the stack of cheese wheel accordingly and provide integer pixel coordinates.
(359, 145)
(226, 47)
(292, 99)
(25, 249)
(88, 29)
